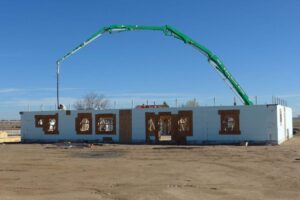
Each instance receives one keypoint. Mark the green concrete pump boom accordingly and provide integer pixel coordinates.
(169, 31)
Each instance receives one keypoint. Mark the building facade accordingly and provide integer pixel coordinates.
(201, 125)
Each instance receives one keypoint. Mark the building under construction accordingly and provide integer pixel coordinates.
(202, 125)
(217, 124)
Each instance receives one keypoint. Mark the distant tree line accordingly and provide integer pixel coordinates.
(92, 101)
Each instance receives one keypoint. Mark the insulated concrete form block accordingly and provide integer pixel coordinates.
(284, 123)
(67, 127)
(257, 124)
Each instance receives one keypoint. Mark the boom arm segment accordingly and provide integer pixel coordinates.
(169, 31)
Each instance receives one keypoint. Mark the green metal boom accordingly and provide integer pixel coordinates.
(169, 31)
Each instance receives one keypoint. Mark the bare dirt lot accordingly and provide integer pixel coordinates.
(10, 124)
(36, 171)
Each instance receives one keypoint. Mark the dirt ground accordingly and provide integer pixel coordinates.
(49, 171)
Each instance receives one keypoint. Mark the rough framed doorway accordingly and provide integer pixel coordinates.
(168, 128)
(125, 126)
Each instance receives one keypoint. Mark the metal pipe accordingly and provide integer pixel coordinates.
(57, 84)
(169, 31)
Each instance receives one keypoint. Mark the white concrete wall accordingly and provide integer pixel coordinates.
(66, 126)
(285, 128)
(259, 123)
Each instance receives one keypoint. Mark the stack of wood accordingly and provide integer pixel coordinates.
(4, 138)
(3, 135)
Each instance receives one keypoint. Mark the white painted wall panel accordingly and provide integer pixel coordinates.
(258, 123)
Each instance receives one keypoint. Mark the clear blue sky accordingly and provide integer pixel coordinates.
(258, 41)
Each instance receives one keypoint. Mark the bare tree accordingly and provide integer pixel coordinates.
(191, 103)
(79, 105)
(92, 101)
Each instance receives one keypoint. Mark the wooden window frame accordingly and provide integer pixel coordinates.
(98, 116)
(148, 116)
(235, 114)
(188, 114)
(79, 118)
(37, 119)
(45, 124)
(178, 137)
(46, 119)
